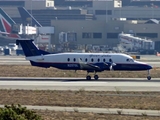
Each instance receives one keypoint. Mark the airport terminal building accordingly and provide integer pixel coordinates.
(92, 22)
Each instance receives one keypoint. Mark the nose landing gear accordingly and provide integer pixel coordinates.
(148, 77)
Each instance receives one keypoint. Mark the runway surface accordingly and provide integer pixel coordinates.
(110, 84)
(13, 60)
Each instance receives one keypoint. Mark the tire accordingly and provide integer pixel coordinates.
(96, 77)
(148, 77)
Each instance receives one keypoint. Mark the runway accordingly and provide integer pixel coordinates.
(127, 84)
(109, 84)
(13, 60)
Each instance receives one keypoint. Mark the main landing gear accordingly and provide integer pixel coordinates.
(148, 77)
(88, 77)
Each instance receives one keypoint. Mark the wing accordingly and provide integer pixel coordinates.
(87, 66)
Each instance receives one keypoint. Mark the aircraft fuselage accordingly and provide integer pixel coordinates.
(88, 61)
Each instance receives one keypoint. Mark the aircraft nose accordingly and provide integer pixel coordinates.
(149, 67)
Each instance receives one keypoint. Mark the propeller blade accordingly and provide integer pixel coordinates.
(111, 66)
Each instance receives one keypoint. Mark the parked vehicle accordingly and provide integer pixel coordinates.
(13, 46)
(1, 49)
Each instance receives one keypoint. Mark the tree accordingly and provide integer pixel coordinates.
(17, 112)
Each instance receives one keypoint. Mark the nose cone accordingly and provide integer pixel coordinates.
(149, 67)
(144, 66)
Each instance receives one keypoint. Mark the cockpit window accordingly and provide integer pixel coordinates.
(129, 60)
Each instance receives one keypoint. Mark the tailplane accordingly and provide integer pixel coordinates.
(29, 48)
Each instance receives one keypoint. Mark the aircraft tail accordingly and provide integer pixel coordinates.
(6, 23)
(29, 48)
(26, 16)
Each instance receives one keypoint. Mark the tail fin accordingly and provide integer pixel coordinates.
(25, 15)
(6, 24)
(6, 21)
(29, 48)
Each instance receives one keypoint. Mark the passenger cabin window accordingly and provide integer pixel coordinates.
(110, 60)
(86, 60)
(98, 60)
(92, 59)
(104, 60)
(68, 59)
(74, 59)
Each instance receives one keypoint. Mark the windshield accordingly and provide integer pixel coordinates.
(130, 60)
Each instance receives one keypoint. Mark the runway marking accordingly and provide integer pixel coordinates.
(64, 84)
(13, 61)
(11, 58)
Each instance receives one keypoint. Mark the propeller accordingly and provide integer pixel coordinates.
(112, 64)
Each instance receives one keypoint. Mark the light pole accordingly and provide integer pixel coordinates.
(152, 7)
(106, 12)
(31, 12)
(120, 6)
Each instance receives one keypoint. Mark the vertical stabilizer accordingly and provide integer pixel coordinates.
(6, 24)
(27, 17)
(29, 48)
(6, 21)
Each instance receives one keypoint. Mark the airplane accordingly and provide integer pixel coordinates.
(90, 62)
(6, 24)
(25, 15)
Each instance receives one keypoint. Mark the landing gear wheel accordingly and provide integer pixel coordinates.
(148, 77)
(88, 77)
(96, 77)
